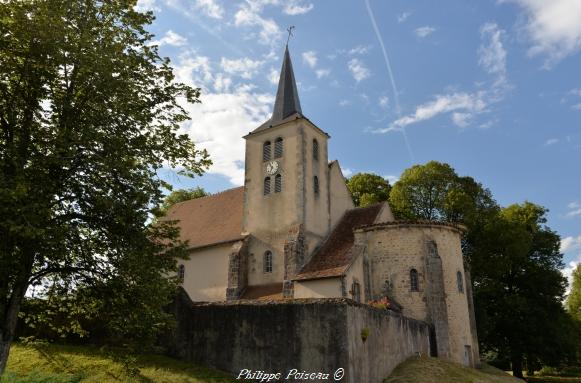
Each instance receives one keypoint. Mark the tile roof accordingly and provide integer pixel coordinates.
(210, 220)
(263, 292)
(335, 255)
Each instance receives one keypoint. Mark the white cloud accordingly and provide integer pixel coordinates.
(273, 76)
(359, 50)
(384, 102)
(392, 179)
(466, 102)
(575, 92)
(492, 54)
(322, 73)
(572, 246)
(574, 211)
(310, 58)
(553, 27)
(296, 8)
(193, 70)
(551, 141)
(358, 69)
(147, 5)
(576, 106)
(402, 17)
(425, 31)
(465, 106)
(461, 119)
(344, 103)
(250, 15)
(227, 113)
(347, 172)
(210, 7)
(222, 83)
(244, 67)
(171, 38)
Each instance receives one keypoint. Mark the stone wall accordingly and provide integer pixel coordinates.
(394, 249)
(313, 335)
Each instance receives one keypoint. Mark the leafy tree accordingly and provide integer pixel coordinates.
(368, 188)
(574, 299)
(519, 289)
(181, 195)
(89, 112)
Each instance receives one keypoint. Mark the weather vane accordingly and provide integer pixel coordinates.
(290, 33)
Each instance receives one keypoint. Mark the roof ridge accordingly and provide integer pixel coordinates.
(211, 195)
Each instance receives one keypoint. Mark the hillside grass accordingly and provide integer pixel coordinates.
(433, 370)
(71, 364)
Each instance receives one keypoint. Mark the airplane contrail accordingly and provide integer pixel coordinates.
(391, 78)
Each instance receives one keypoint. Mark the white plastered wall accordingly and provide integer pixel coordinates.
(206, 273)
(318, 288)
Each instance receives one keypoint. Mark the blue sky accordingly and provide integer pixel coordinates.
(491, 87)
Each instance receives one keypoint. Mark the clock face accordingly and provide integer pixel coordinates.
(272, 167)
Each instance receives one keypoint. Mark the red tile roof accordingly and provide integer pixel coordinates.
(335, 255)
(263, 292)
(210, 220)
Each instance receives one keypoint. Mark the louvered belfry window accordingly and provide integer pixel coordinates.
(414, 280)
(267, 185)
(278, 149)
(266, 151)
(460, 282)
(316, 185)
(268, 262)
(315, 150)
(278, 183)
(181, 273)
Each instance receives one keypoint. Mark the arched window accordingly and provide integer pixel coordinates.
(268, 262)
(278, 148)
(356, 291)
(316, 185)
(432, 249)
(267, 185)
(181, 272)
(278, 183)
(266, 151)
(315, 150)
(460, 282)
(414, 286)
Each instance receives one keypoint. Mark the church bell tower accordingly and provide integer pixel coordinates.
(286, 201)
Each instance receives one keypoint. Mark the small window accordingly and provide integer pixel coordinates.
(432, 249)
(266, 151)
(356, 291)
(315, 150)
(278, 148)
(278, 183)
(316, 185)
(181, 272)
(414, 280)
(267, 185)
(460, 282)
(268, 262)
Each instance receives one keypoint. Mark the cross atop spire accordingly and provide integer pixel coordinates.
(287, 98)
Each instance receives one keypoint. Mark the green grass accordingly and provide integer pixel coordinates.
(433, 370)
(553, 379)
(71, 364)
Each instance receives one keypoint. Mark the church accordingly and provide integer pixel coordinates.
(293, 232)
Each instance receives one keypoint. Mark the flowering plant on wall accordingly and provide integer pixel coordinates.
(382, 303)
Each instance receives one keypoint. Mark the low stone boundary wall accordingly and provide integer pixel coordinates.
(330, 336)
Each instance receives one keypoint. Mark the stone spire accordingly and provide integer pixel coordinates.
(287, 98)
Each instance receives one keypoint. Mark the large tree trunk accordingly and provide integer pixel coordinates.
(516, 362)
(4, 352)
(9, 320)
